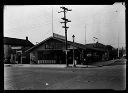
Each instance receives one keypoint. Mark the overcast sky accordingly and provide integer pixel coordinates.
(35, 21)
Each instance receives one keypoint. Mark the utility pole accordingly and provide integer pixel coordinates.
(65, 26)
(52, 20)
(118, 45)
(85, 34)
(74, 65)
(116, 11)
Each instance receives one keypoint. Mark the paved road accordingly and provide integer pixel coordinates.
(39, 78)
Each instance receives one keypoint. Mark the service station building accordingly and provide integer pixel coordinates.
(52, 51)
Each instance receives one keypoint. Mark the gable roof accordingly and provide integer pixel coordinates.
(78, 45)
(17, 42)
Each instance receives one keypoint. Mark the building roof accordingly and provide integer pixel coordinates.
(17, 42)
(78, 45)
(96, 45)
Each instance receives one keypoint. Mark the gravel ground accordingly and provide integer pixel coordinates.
(40, 78)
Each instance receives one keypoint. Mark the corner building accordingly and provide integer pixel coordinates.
(52, 51)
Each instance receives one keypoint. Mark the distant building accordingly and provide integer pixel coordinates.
(52, 51)
(112, 52)
(99, 51)
(14, 49)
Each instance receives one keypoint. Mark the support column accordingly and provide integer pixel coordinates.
(21, 57)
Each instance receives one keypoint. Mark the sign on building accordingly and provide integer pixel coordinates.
(17, 47)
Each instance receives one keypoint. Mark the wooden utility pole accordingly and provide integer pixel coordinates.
(52, 21)
(65, 26)
(85, 35)
(118, 45)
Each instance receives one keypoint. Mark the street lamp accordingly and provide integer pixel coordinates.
(95, 39)
(74, 65)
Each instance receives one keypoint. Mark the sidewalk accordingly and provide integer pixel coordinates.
(110, 62)
(50, 65)
(37, 65)
(103, 63)
(96, 64)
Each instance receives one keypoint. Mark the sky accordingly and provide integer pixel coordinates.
(105, 22)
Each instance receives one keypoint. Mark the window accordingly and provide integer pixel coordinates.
(49, 46)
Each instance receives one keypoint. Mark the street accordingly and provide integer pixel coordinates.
(40, 78)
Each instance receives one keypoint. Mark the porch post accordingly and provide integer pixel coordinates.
(30, 57)
(21, 57)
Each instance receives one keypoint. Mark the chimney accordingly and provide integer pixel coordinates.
(26, 38)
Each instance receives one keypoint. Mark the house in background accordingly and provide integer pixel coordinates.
(52, 51)
(14, 50)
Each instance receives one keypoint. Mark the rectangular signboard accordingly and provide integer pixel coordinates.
(18, 47)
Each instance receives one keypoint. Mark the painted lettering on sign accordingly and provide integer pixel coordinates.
(47, 46)
(16, 47)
